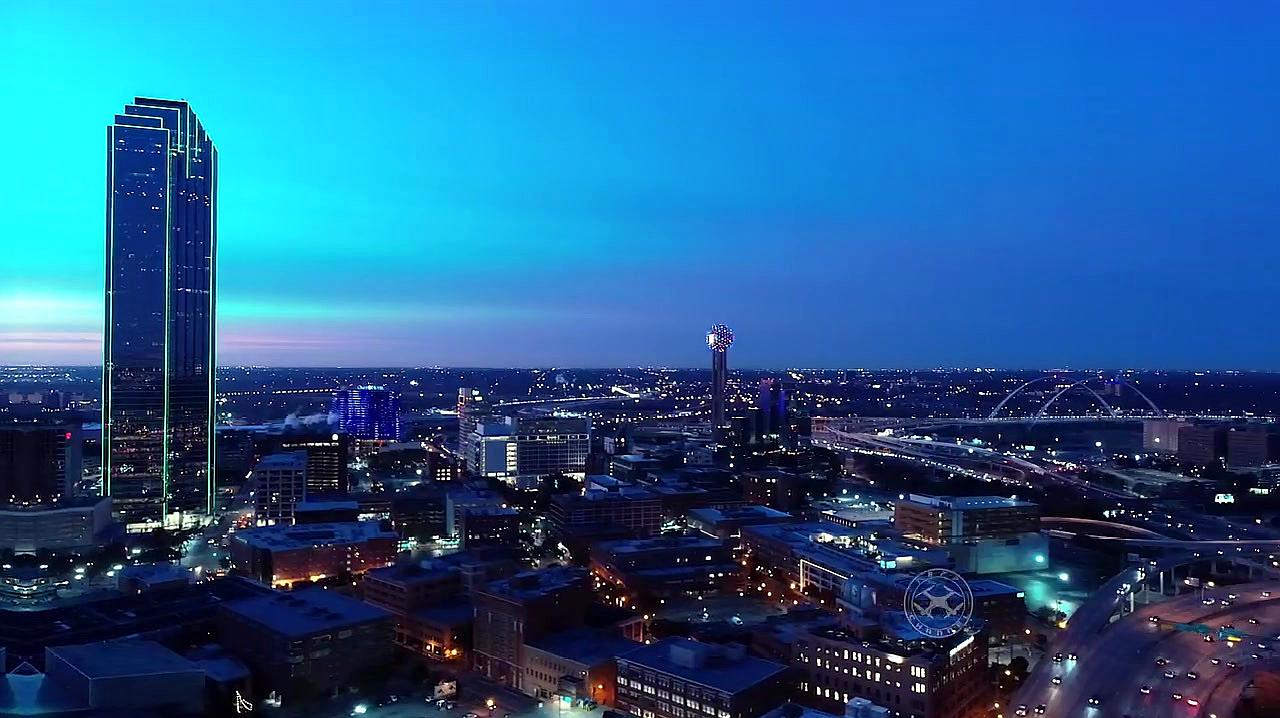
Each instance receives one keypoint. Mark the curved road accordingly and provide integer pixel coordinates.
(1115, 665)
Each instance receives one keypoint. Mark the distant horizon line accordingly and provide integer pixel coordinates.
(975, 369)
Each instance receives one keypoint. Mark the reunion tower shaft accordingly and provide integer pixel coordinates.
(719, 337)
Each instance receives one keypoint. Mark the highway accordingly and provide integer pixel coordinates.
(933, 452)
(1114, 665)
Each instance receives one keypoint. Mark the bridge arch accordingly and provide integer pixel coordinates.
(1136, 390)
(1080, 383)
(1083, 383)
(1016, 392)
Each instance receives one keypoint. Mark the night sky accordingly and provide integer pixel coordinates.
(586, 184)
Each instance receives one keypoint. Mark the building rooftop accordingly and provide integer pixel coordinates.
(115, 659)
(535, 584)
(801, 533)
(292, 460)
(634, 459)
(71, 504)
(433, 569)
(750, 512)
(625, 493)
(408, 574)
(109, 615)
(155, 572)
(306, 612)
(716, 666)
(587, 646)
(283, 538)
(490, 511)
(960, 503)
(305, 506)
(659, 543)
(453, 613)
(987, 587)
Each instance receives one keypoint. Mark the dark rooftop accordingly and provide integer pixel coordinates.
(302, 613)
(114, 659)
(704, 663)
(588, 646)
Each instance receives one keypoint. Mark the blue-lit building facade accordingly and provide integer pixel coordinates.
(774, 415)
(159, 327)
(369, 413)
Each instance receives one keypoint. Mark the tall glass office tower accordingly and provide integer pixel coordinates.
(158, 349)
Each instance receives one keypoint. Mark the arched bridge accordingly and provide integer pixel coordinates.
(1082, 384)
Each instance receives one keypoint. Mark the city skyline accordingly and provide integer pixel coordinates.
(844, 187)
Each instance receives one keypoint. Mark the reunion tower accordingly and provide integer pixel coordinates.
(719, 337)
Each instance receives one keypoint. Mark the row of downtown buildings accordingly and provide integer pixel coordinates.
(475, 607)
(547, 633)
(159, 462)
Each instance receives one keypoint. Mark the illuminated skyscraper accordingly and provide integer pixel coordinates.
(159, 343)
(719, 337)
(773, 408)
(472, 406)
(370, 413)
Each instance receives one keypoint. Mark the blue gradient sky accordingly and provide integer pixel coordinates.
(560, 183)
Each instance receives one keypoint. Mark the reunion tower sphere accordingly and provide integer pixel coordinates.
(719, 337)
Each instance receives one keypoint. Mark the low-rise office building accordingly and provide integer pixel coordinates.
(431, 599)
(123, 676)
(68, 524)
(983, 534)
(578, 663)
(912, 676)
(644, 571)
(305, 643)
(682, 678)
(279, 484)
(285, 555)
(523, 608)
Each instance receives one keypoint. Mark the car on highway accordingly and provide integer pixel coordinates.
(1266, 594)
(1072, 657)
(1162, 661)
(1177, 696)
(1170, 675)
(1095, 701)
(1253, 621)
(1216, 661)
(1232, 664)
(1145, 690)
(1154, 619)
(1056, 680)
(1193, 702)
(1040, 709)
(1057, 658)
(1192, 675)
(1021, 711)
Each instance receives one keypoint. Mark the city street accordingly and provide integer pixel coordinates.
(1114, 665)
(473, 701)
